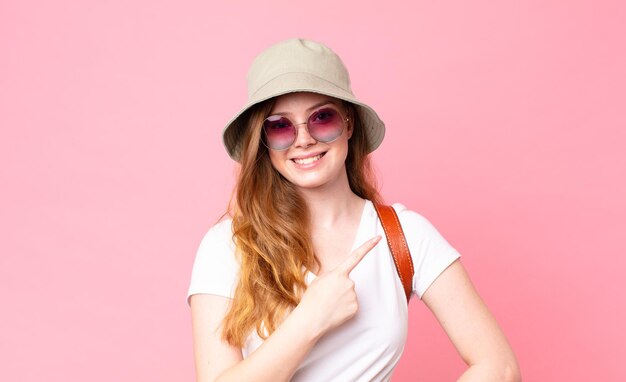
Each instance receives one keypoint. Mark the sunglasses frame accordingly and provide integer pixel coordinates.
(295, 125)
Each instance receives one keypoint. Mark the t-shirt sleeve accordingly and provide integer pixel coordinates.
(430, 252)
(215, 268)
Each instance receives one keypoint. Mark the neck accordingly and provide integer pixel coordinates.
(333, 203)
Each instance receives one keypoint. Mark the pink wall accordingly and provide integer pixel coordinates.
(506, 128)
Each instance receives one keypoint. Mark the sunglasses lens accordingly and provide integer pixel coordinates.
(325, 125)
(279, 132)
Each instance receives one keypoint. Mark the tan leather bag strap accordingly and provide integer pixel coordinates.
(397, 245)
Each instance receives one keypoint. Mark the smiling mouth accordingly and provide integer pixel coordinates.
(308, 160)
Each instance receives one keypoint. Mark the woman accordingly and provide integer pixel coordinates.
(298, 284)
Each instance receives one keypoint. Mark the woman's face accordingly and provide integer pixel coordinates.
(308, 163)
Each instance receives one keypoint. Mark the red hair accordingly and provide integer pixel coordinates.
(271, 232)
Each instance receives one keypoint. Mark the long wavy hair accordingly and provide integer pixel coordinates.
(271, 230)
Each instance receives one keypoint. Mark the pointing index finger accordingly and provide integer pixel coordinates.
(357, 255)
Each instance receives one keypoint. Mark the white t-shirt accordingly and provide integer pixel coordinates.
(367, 347)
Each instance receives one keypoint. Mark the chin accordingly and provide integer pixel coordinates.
(308, 183)
(314, 181)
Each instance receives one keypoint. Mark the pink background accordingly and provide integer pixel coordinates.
(506, 128)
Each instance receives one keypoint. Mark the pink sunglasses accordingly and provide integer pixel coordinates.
(324, 125)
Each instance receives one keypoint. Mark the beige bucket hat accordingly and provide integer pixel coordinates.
(299, 65)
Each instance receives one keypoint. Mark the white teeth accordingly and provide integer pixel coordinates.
(308, 160)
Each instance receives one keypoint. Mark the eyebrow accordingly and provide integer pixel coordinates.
(319, 104)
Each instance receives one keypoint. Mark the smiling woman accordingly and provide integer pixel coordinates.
(297, 284)
(308, 161)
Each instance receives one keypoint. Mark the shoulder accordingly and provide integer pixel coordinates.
(221, 234)
(411, 220)
(223, 228)
(417, 227)
(218, 245)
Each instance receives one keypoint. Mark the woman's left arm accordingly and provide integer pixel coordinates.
(471, 327)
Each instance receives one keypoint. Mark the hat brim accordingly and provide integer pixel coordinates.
(300, 82)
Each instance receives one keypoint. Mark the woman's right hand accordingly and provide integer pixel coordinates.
(330, 300)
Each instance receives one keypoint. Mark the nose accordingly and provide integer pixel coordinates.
(303, 138)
